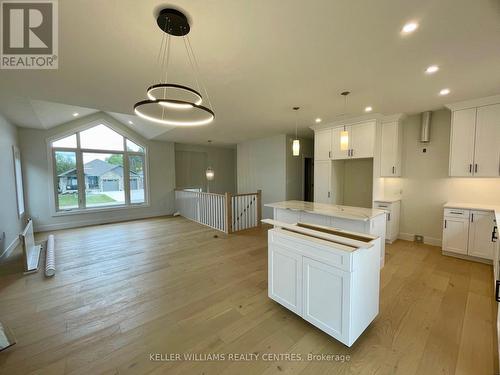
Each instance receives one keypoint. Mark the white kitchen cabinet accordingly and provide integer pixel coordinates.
(363, 140)
(323, 144)
(392, 209)
(455, 234)
(475, 142)
(487, 144)
(480, 229)
(463, 125)
(468, 231)
(337, 152)
(285, 278)
(333, 283)
(326, 297)
(391, 147)
(322, 177)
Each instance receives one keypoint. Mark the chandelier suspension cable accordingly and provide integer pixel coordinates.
(198, 72)
(192, 64)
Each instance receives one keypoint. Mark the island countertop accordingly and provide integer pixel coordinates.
(332, 210)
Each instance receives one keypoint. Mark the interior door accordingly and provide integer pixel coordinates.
(322, 144)
(463, 124)
(455, 234)
(389, 149)
(326, 297)
(322, 177)
(487, 145)
(480, 230)
(285, 278)
(363, 140)
(337, 152)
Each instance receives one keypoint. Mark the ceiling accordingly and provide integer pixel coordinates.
(259, 58)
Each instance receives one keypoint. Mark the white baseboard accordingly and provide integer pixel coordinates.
(10, 248)
(427, 240)
(83, 223)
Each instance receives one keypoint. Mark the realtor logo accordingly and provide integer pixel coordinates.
(29, 37)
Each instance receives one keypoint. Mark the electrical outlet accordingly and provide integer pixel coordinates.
(419, 238)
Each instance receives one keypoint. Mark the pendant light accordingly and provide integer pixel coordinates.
(344, 134)
(209, 173)
(296, 142)
(170, 103)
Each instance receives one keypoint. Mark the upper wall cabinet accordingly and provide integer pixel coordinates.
(359, 143)
(323, 144)
(391, 147)
(475, 142)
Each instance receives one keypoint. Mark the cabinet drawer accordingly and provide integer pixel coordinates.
(383, 206)
(456, 212)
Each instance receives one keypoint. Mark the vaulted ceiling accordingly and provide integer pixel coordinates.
(259, 58)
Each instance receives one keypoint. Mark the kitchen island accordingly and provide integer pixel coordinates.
(356, 219)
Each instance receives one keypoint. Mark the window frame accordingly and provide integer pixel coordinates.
(82, 209)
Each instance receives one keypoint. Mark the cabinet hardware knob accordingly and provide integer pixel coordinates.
(472, 218)
(393, 170)
(445, 224)
(470, 168)
(475, 168)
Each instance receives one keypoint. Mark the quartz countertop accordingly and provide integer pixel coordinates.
(388, 200)
(346, 212)
(474, 206)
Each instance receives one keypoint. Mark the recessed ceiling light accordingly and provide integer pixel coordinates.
(444, 92)
(409, 27)
(75, 114)
(130, 122)
(318, 120)
(368, 109)
(432, 69)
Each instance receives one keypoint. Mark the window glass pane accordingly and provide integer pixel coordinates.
(19, 181)
(131, 146)
(103, 179)
(101, 137)
(136, 166)
(67, 181)
(69, 142)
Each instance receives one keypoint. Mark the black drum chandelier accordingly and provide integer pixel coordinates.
(169, 103)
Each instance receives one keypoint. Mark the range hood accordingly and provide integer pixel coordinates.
(425, 127)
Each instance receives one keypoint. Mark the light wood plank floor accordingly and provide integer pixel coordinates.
(170, 286)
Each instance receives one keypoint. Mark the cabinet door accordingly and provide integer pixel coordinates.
(389, 157)
(455, 235)
(286, 216)
(337, 153)
(487, 145)
(481, 227)
(323, 144)
(326, 297)
(285, 278)
(363, 140)
(463, 124)
(322, 176)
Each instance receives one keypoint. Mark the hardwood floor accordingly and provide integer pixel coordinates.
(169, 286)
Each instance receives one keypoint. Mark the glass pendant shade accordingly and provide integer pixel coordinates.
(296, 147)
(344, 140)
(210, 173)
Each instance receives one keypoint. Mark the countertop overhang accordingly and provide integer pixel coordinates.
(345, 212)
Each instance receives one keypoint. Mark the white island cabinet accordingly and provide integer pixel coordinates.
(356, 219)
(328, 277)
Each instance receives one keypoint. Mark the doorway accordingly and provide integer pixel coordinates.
(308, 179)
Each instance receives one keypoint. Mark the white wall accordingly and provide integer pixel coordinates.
(425, 184)
(10, 223)
(261, 164)
(295, 167)
(38, 179)
(221, 159)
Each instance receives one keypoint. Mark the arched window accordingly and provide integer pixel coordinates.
(98, 168)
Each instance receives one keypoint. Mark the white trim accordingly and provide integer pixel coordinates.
(83, 223)
(91, 210)
(480, 102)
(427, 240)
(377, 117)
(9, 249)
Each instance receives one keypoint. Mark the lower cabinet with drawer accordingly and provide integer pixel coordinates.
(468, 233)
(332, 286)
